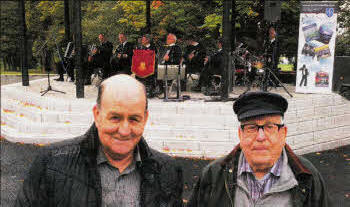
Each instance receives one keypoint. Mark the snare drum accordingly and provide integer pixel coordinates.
(172, 72)
(260, 71)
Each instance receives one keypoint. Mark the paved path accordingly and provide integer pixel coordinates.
(334, 165)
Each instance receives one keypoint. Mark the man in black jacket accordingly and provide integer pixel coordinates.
(111, 165)
(194, 57)
(271, 54)
(123, 56)
(262, 169)
(171, 54)
(213, 65)
(103, 55)
(150, 81)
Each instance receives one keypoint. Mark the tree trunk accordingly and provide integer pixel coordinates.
(148, 16)
(226, 77)
(24, 48)
(67, 21)
(78, 49)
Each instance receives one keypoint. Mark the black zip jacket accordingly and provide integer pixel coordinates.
(66, 175)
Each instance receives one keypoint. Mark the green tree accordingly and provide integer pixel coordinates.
(343, 38)
(10, 30)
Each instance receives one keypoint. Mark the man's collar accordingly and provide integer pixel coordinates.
(244, 166)
(101, 156)
(172, 44)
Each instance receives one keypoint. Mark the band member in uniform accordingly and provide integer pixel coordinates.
(171, 54)
(212, 65)
(271, 47)
(102, 55)
(194, 58)
(60, 68)
(123, 56)
(150, 81)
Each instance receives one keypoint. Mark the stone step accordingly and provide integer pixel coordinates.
(190, 128)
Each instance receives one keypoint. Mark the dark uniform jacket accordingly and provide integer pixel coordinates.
(217, 183)
(123, 65)
(67, 175)
(175, 55)
(196, 64)
(104, 54)
(272, 53)
(216, 63)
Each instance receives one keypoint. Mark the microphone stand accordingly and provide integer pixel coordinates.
(49, 88)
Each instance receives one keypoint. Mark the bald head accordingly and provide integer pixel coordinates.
(122, 87)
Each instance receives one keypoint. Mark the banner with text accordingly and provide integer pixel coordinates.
(317, 33)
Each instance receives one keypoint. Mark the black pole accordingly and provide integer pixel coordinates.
(226, 27)
(78, 49)
(24, 49)
(66, 22)
(233, 39)
(233, 23)
(148, 16)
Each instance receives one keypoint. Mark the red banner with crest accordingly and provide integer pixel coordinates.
(143, 63)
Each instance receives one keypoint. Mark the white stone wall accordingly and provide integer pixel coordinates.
(191, 128)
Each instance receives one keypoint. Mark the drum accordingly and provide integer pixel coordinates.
(172, 72)
(260, 71)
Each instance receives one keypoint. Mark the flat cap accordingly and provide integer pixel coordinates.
(253, 104)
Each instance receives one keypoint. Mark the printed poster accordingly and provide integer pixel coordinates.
(317, 33)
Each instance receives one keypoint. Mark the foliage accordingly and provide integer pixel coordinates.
(9, 31)
(343, 39)
(201, 18)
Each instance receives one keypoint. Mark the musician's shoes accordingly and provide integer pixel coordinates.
(59, 79)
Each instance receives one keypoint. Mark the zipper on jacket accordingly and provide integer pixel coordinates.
(228, 191)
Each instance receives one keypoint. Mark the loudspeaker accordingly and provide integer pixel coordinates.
(341, 72)
(272, 11)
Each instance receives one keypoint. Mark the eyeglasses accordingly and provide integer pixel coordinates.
(267, 128)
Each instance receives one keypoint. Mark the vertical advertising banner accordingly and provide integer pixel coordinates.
(317, 33)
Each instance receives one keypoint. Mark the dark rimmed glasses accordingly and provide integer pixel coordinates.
(270, 128)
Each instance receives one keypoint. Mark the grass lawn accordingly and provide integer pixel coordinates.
(32, 71)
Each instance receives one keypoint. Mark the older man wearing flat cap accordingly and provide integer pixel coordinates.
(262, 169)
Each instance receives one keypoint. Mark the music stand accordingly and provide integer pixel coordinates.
(178, 82)
(49, 88)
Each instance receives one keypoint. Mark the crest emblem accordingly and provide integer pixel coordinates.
(329, 12)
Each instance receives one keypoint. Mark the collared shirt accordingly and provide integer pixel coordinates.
(256, 187)
(119, 189)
